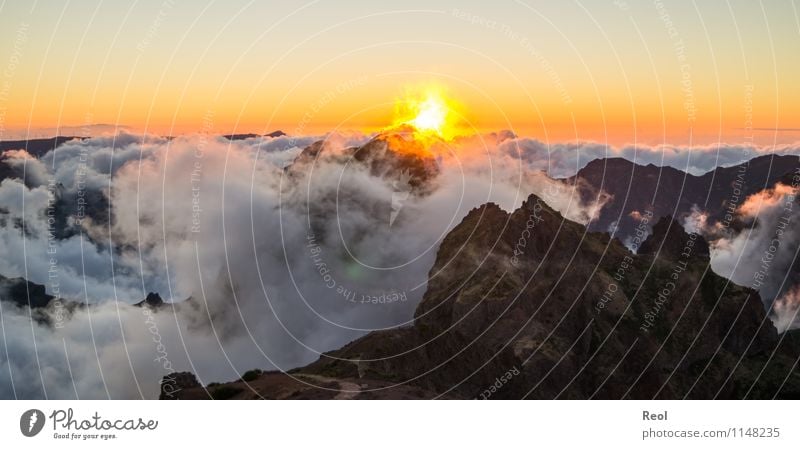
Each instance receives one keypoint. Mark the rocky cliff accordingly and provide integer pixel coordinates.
(529, 305)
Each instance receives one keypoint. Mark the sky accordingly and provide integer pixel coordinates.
(615, 71)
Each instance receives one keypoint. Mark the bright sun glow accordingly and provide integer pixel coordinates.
(431, 115)
(428, 111)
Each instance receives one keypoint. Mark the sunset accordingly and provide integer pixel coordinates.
(618, 72)
(593, 200)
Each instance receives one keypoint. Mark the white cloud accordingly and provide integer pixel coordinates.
(261, 296)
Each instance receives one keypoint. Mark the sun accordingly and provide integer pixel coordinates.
(428, 111)
(431, 115)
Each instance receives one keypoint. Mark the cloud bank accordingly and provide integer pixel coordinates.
(561, 160)
(279, 264)
(763, 254)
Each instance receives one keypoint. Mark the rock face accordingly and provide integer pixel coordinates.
(152, 300)
(668, 191)
(670, 241)
(173, 383)
(529, 305)
(389, 155)
(33, 299)
(23, 293)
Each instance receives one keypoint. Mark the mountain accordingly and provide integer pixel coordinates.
(278, 133)
(390, 155)
(530, 305)
(152, 300)
(36, 147)
(23, 293)
(42, 308)
(403, 162)
(667, 191)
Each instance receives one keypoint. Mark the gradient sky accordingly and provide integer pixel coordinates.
(584, 70)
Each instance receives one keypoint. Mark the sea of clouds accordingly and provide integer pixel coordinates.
(280, 264)
(279, 267)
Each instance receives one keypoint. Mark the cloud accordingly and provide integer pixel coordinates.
(762, 255)
(280, 264)
(563, 160)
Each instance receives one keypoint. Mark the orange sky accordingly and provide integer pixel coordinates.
(595, 70)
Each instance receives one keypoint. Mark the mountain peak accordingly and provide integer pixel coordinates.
(391, 155)
(152, 300)
(24, 293)
(669, 240)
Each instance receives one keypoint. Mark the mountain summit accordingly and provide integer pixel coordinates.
(556, 311)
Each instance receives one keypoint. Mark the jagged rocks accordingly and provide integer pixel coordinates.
(173, 384)
(524, 290)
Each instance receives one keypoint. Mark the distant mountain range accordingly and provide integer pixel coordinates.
(666, 191)
(36, 147)
(251, 135)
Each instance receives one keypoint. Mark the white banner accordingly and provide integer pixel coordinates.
(398, 424)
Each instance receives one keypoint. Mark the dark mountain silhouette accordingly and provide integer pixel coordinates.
(530, 305)
(667, 191)
(42, 308)
(36, 147)
(388, 155)
(152, 300)
(23, 293)
(278, 133)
